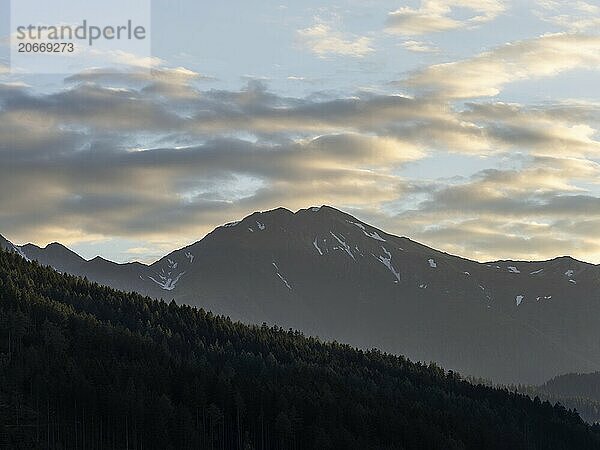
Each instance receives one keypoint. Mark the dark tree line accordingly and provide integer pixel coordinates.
(83, 366)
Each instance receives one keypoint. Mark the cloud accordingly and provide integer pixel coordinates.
(123, 58)
(326, 42)
(76, 167)
(435, 16)
(536, 189)
(491, 240)
(111, 155)
(484, 75)
(171, 75)
(419, 47)
(551, 130)
(148, 151)
(537, 211)
(173, 83)
(573, 16)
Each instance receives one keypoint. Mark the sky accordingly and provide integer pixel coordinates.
(469, 126)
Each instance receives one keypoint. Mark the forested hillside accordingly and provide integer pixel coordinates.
(85, 366)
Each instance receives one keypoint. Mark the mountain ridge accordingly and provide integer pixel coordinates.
(330, 274)
(5, 242)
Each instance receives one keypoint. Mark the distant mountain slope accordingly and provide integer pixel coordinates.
(85, 366)
(575, 385)
(575, 390)
(329, 274)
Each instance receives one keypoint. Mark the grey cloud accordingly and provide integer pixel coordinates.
(140, 193)
(547, 187)
(489, 240)
(537, 211)
(155, 158)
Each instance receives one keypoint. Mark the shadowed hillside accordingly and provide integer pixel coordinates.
(85, 365)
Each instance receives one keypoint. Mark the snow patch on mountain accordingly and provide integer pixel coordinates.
(535, 272)
(168, 278)
(345, 246)
(386, 260)
(519, 299)
(373, 235)
(284, 281)
(261, 226)
(432, 263)
(281, 277)
(569, 273)
(167, 283)
(513, 269)
(231, 224)
(317, 247)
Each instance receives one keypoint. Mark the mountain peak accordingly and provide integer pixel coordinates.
(323, 210)
(58, 250)
(55, 245)
(282, 214)
(276, 212)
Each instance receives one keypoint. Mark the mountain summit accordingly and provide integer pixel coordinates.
(329, 274)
